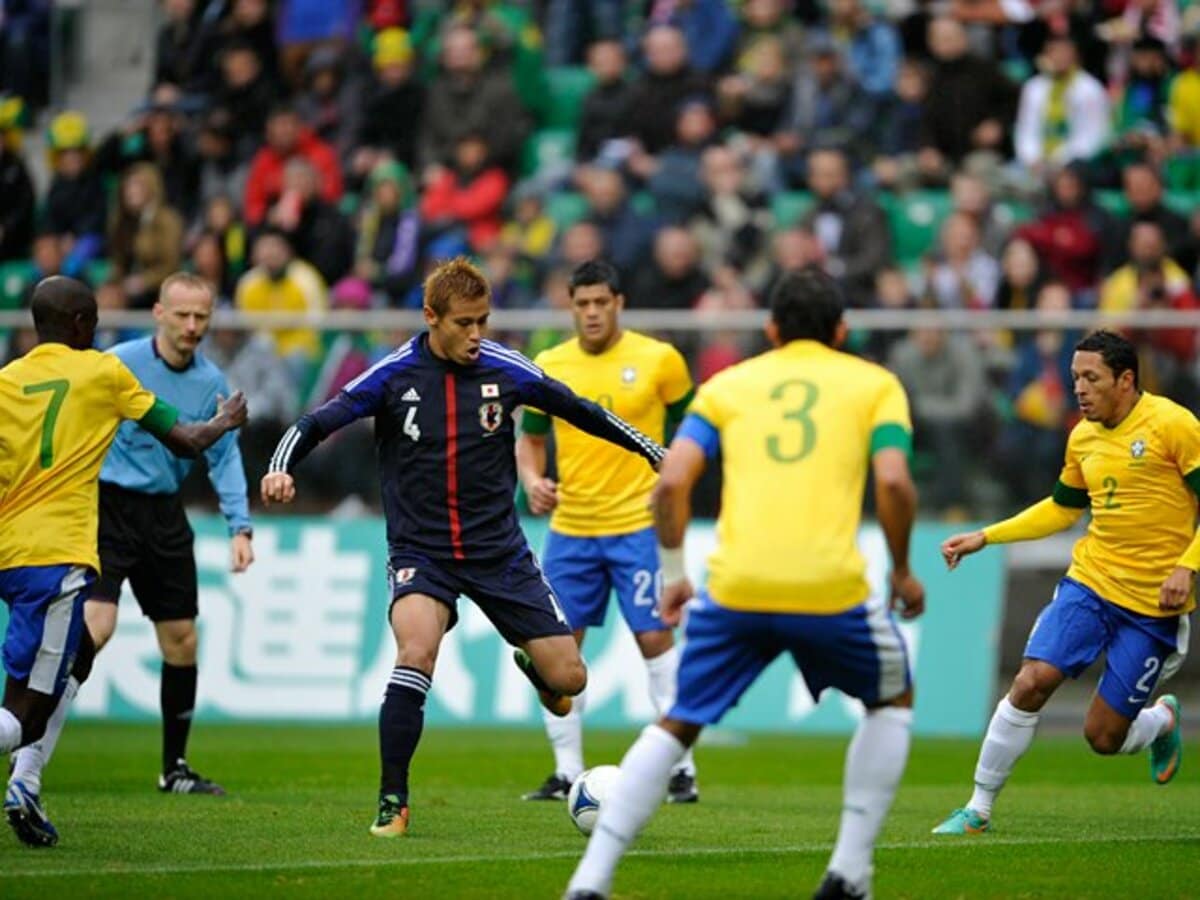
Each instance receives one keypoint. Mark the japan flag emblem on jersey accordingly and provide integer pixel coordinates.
(491, 415)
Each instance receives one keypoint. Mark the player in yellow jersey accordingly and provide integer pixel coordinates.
(601, 535)
(1134, 463)
(797, 429)
(62, 404)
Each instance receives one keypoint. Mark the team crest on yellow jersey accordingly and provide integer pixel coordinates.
(628, 375)
(1137, 449)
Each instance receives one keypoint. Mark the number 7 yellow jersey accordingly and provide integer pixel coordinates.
(61, 409)
(797, 427)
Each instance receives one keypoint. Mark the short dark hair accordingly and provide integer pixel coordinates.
(56, 303)
(1118, 352)
(595, 271)
(807, 304)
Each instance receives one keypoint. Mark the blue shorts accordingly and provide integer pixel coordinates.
(860, 652)
(45, 622)
(586, 570)
(1140, 651)
(513, 593)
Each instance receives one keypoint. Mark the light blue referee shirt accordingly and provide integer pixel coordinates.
(138, 461)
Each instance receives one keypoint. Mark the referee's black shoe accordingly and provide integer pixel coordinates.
(553, 788)
(834, 887)
(182, 779)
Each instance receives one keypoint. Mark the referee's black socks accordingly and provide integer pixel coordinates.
(401, 718)
(178, 700)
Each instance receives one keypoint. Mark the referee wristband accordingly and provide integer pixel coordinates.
(674, 567)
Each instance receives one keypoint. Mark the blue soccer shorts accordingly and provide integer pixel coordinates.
(45, 622)
(512, 591)
(860, 652)
(1140, 651)
(584, 572)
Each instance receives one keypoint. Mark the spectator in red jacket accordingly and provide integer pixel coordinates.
(470, 196)
(287, 138)
(1070, 236)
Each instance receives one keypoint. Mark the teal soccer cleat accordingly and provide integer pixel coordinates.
(1166, 753)
(964, 821)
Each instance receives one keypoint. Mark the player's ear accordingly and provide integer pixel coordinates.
(431, 317)
(619, 302)
(840, 333)
(771, 330)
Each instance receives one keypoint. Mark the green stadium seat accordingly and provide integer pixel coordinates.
(349, 204)
(1183, 173)
(15, 278)
(789, 207)
(1183, 202)
(914, 219)
(566, 208)
(548, 148)
(643, 203)
(1014, 212)
(1113, 202)
(97, 272)
(569, 86)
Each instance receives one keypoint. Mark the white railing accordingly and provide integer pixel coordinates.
(670, 320)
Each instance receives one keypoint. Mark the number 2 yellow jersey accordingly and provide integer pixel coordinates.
(61, 412)
(797, 428)
(1138, 481)
(603, 489)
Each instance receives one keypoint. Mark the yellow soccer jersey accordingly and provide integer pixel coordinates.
(61, 412)
(797, 428)
(603, 489)
(1137, 479)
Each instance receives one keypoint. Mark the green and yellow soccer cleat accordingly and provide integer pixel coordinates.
(964, 821)
(1166, 753)
(392, 820)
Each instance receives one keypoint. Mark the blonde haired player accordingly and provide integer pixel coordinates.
(601, 535)
(1134, 462)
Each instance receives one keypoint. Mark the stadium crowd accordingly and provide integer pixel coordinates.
(305, 155)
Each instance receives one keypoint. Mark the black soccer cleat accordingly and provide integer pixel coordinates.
(682, 789)
(555, 787)
(835, 887)
(583, 895)
(182, 779)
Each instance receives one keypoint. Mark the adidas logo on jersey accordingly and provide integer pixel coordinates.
(411, 396)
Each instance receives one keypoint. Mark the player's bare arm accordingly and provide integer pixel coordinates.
(896, 502)
(241, 552)
(531, 466)
(189, 440)
(672, 505)
(1176, 590)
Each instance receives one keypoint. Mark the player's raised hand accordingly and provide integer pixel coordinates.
(955, 547)
(233, 411)
(675, 596)
(279, 487)
(543, 496)
(1176, 589)
(908, 594)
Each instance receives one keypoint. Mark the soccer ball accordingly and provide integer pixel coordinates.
(587, 793)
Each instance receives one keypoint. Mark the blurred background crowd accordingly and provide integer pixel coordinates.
(308, 155)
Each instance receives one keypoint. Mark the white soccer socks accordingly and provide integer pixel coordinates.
(10, 731)
(29, 761)
(1151, 723)
(875, 762)
(662, 670)
(1009, 735)
(566, 737)
(637, 793)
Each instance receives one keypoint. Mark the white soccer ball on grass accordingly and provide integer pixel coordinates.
(588, 793)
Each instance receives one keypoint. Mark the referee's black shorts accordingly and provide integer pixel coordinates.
(147, 539)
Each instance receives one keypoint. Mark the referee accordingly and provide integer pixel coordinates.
(144, 534)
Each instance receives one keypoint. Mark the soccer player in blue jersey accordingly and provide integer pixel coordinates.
(144, 534)
(443, 406)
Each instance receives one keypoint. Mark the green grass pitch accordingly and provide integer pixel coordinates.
(295, 824)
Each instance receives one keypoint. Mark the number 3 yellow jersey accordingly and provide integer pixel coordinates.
(602, 489)
(61, 412)
(1137, 480)
(797, 428)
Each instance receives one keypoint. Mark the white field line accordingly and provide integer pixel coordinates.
(950, 843)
